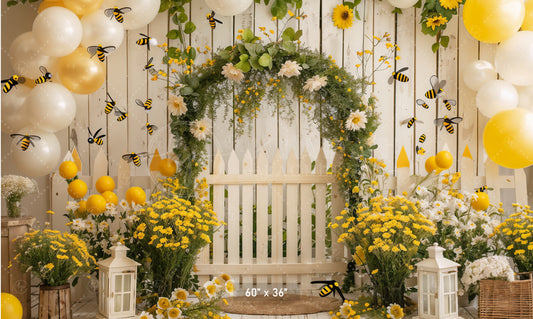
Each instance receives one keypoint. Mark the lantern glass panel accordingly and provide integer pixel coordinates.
(126, 302)
(432, 291)
(118, 283)
(118, 303)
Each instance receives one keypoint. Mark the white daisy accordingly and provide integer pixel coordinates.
(78, 224)
(124, 205)
(179, 294)
(289, 69)
(210, 289)
(199, 129)
(232, 73)
(145, 315)
(72, 205)
(395, 311)
(458, 251)
(345, 310)
(229, 287)
(356, 121)
(315, 83)
(176, 105)
(174, 313)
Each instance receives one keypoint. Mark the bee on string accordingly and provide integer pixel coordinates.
(420, 150)
(26, 140)
(422, 103)
(94, 138)
(146, 40)
(12, 82)
(399, 76)
(100, 51)
(329, 287)
(448, 123)
(449, 104)
(484, 188)
(150, 127)
(134, 157)
(410, 122)
(149, 66)
(422, 138)
(436, 87)
(121, 116)
(147, 105)
(117, 13)
(109, 104)
(47, 76)
(212, 21)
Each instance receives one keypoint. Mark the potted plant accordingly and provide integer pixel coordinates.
(13, 189)
(55, 258)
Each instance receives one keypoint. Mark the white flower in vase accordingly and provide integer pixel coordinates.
(232, 73)
(290, 69)
(315, 83)
(356, 121)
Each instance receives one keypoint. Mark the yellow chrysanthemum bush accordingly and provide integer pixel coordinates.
(386, 236)
(52, 256)
(166, 236)
(516, 233)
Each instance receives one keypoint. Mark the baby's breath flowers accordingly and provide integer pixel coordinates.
(13, 189)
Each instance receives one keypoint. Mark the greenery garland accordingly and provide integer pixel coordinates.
(242, 76)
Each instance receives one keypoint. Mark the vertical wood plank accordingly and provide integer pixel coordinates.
(486, 52)
(262, 215)
(520, 187)
(218, 207)
(97, 120)
(123, 178)
(78, 130)
(100, 166)
(234, 231)
(468, 171)
(292, 217)
(247, 216)
(320, 212)
(277, 217)
(491, 176)
(306, 201)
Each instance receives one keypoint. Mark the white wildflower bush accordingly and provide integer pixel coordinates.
(493, 267)
(15, 187)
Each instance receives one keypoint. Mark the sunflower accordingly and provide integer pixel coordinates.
(436, 21)
(450, 4)
(342, 17)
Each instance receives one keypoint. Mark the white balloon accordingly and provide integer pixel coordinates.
(142, 11)
(39, 159)
(99, 29)
(58, 31)
(514, 59)
(228, 7)
(496, 96)
(26, 57)
(14, 116)
(403, 3)
(51, 107)
(478, 73)
(525, 95)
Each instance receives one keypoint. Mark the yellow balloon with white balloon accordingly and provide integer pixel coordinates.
(50, 3)
(82, 7)
(80, 73)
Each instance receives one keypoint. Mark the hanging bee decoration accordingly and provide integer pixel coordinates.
(100, 51)
(117, 13)
(422, 103)
(134, 157)
(150, 127)
(399, 76)
(47, 76)
(420, 150)
(449, 104)
(410, 122)
(95, 138)
(26, 140)
(147, 105)
(121, 116)
(109, 104)
(422, 138)
(149, 65)
(146, 40)
(448, 123)
(212, 21)
(484, 188)
(436, 87)
(12, 82)
(329, 287)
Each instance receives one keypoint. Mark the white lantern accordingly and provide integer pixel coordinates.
(437, 286)
(117, 284)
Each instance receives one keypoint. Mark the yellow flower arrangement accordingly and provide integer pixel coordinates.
(52, 256)
(516, 235)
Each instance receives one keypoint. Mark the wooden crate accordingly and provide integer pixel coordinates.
(501, 299)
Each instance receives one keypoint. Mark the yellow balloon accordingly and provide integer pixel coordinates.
(80, 73)
(507, 138)
(11, 306)
(493, 21)
(50, 3)
(82, 7)
(528, 20)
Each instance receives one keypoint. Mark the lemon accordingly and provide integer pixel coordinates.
(104, 183)
(11, 306)
(110, 197)
(135, 194)
(167, 167)
(77, 189)
(444, 159)
(482, 202)
(96, 204)
(68, 170)
(81, 212)
(431, 165)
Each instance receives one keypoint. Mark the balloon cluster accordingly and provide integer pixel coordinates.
(54, 61)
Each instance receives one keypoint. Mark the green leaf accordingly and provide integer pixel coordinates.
(173, 53)
(397, 10)
(272, 51)
(192, 54)
(297, 35)
(186, 90)
(254, 62)
(75, 281)
(182, 17)
(173, 34)
(224, 54)
(435, 47)
(189, 27)
(194, 82)
(165, 5)
(349, 4)
(266, 60)
(288, 34)
(180, 9)
(253, 48)
(248, 35)
(356, 14)
(244, 57)
(418, 4)
(356, 2)
(444, 40)
(289, 46)
(244, 66)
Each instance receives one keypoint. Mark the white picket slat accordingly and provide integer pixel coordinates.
(277, 218)
(247, 215)
(292, 216)
(306, 200)
(233, 212)
(218, 207)
(320, 212)
(262, 216)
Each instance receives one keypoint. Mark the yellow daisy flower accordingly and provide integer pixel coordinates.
(342, 17)
(450, 4)
(436, 21)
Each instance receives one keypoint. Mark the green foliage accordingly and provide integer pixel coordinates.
(11, 3)
(179, 17)
(432, 9)
(279, 8)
